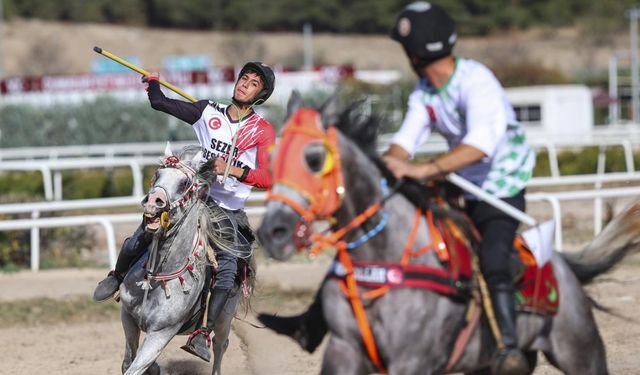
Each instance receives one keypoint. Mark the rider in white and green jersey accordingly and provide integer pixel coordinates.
(470, 111)
(463, 101)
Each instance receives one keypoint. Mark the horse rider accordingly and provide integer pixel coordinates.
(466, 104)
(215, 125)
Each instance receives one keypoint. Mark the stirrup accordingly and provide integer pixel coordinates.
(195, 345)
(510, 361)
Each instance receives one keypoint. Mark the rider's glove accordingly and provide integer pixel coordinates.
(151, 77)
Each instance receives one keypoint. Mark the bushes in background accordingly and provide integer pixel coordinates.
(473, 17)
(584, 161)
(106, 120)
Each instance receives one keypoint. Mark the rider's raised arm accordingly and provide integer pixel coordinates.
(185, 111)
(260, 176)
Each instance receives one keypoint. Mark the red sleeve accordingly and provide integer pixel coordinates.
(260, 176)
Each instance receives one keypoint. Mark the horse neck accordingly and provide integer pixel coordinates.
(175, 248)
(362, 189)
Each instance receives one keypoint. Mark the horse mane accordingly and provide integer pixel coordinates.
(220, 238)
(363, 130)
(221, 235)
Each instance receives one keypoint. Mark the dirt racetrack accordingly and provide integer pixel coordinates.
(97, 347)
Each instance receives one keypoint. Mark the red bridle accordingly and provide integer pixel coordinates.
(322, 190)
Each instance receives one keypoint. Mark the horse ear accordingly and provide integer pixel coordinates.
(167, 150)
(294, 103)
(329, 111)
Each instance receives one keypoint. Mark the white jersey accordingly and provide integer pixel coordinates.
(472, 109)
(215, 131)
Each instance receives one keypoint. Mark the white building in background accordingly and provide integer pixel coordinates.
(560, 112)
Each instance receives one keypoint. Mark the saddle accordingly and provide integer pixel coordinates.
(453, 240)
(536, 285)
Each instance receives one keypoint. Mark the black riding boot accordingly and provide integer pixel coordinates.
(510, 360)
(199, 342)
(307, 329)
(131, 250)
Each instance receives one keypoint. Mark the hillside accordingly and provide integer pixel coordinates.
(33, 47)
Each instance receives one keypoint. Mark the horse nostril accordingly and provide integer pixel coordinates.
(279, 232)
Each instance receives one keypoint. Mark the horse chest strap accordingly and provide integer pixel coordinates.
(397, 275)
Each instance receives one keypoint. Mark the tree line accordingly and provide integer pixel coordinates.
(474, 17)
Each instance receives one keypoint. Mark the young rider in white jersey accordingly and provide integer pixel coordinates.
(216, 125)
(465, 103)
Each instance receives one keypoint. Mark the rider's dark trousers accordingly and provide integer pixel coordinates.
(132, 248)
(227, 262)
(498, 231)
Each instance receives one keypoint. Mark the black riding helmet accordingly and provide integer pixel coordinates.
(268, 79)
(426, 32)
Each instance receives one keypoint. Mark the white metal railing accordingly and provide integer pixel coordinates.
(52, 161)
(624, 136)
(50, 169)
(554, 200)
(34, 224)
(82, 151)
(106, 221)
(52, 176)
(36, 208)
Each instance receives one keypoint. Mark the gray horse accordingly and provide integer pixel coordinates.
(414, 329)
(162, 292)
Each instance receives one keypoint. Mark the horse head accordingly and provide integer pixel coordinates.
(181, 180)
(307, 176)
(309, 181)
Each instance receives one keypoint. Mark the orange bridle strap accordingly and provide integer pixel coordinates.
(323, 242)
(307, 215)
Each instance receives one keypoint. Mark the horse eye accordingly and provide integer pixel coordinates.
(314, 156)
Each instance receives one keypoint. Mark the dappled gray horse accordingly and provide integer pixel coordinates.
(319, 173)
(161, 293)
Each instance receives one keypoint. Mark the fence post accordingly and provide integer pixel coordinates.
(111, 242)
(35, 243)
(597, 202)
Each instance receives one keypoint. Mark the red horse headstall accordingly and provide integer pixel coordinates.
(297, 165)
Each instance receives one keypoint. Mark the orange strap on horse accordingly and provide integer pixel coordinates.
(307, 215)
(350, 287)
(324, 241)
(358, 308)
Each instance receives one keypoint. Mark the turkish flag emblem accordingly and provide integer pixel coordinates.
(215, 123)
(394, 276)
